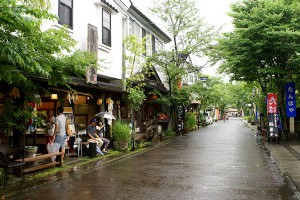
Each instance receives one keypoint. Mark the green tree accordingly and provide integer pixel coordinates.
(264, 44)
(135, 69)
(27, 52)
(191, 37)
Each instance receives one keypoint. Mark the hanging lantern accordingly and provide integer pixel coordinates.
(99, 102)
(68, 96)
(108, 100)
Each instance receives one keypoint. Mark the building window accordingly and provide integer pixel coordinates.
(65, 12)
(137, 30)
(106, 28)
(134, 29)
(131, 27)
(144, 35)
(153, 45)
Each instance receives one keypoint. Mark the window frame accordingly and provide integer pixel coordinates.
(70, 22)
(105, 28)
(144, 35)
(153, 46)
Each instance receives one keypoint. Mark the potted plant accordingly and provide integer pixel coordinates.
(190, 121)
(121, 135)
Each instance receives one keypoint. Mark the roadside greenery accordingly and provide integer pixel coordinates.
(264, 45)
(190, 120)
(191, 38)
(28, 53)
(121, 131)
(135, 69)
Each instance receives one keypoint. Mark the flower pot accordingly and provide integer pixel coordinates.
(120, 145)
(30, 151)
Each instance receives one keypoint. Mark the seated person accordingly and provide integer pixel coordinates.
(92, 134)
(100, 130)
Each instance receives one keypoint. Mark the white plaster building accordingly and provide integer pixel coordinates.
(100, 26)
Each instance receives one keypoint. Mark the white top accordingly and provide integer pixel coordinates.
(61, 122)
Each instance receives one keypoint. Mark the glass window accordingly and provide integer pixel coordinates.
(153, 45)
(106, 28)
(144, 34)
(131, 27)
(137, 30)
(65, 12)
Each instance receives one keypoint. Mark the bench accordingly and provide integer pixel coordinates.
(7, 162)
(41, 165)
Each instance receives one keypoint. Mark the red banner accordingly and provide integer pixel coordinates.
(272, 103)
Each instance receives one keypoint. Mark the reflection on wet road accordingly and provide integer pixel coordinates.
(221, 161)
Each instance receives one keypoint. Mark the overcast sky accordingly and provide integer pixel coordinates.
(214, 12)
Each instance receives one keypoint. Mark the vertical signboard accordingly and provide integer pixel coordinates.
(92, 46)
(273, 125)
(272, 103)
(290, 99)
(180, 118)
(91, 75)
(272, 114)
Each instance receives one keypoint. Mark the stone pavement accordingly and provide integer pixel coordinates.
(286, 155)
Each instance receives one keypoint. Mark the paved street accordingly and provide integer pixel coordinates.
(221, 161)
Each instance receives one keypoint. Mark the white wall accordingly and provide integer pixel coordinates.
(84, 13)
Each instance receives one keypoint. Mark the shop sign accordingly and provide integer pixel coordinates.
(91, 75)
(290, 99)
(273, 125)
(272, 103)
(180, 117)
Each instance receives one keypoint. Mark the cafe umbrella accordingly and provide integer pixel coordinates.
(106, 115)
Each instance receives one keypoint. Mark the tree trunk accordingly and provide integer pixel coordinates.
(282, 108)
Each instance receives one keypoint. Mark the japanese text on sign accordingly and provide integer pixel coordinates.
(290, 97)
(272, 103)
(273, 125)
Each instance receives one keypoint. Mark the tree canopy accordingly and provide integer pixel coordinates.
(264, 44)
(27, 52)
(190, 37)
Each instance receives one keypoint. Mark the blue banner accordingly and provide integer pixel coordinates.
(279, 124)
(290, 99)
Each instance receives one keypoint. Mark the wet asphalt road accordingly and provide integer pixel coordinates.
(222, 161)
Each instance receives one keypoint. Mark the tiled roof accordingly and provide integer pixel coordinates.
(149, 23)
(109, 5)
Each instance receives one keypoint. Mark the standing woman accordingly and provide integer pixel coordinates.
(60, 131)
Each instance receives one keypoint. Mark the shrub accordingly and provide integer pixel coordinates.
(190, 120)
(121, 131)
(170, 133)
